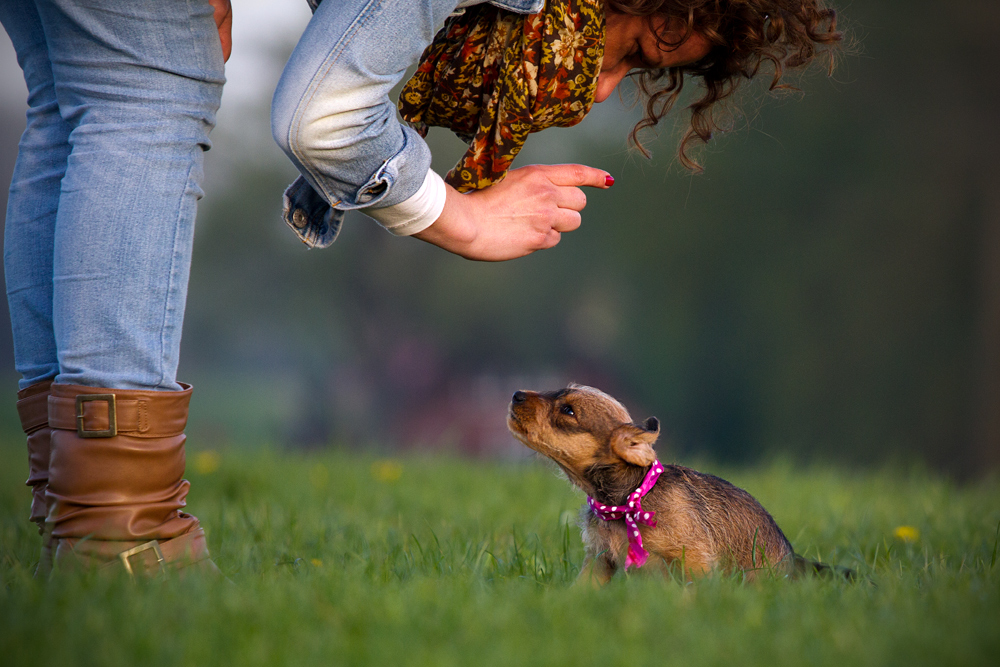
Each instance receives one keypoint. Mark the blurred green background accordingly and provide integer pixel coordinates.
(829, 288)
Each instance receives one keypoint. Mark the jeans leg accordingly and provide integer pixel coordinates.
(331, 111)
(34, 200)
(139, 83)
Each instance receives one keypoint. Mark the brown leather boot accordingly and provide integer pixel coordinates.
(115, 487)
(33, 409)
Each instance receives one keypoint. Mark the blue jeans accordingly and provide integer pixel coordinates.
(97, 247)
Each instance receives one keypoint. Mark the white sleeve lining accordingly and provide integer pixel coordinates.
(416, 213)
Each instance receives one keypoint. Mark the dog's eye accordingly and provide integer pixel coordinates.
(567, 410)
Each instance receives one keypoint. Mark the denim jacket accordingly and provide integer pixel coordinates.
(333, 117)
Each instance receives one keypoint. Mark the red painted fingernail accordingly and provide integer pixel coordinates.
(609, 180)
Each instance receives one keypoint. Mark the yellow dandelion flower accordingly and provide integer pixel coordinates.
(906, 533)
(387, 470)
(317, 562)
(206, 462)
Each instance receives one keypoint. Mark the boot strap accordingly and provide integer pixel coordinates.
(152, 557)
(181, 551)
(33, 411)
(93, 414)
(100, 416)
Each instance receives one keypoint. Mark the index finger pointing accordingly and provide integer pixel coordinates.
(578, 175)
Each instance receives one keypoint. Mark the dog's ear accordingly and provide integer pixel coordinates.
(634, 444)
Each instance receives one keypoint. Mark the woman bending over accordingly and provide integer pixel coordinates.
(495, 72)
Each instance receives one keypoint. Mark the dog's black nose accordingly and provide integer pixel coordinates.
(519, 397)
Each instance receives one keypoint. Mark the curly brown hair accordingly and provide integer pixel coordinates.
(745, 34)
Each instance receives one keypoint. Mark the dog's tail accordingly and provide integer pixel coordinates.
(804, 567)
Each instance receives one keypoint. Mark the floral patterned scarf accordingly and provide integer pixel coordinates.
(493, 77)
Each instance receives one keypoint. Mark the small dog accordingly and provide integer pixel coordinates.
(698, 521)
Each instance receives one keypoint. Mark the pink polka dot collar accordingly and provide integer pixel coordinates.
(633, 515)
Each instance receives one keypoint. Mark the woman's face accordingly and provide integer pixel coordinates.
(631, 42)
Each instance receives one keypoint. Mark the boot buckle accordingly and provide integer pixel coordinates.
(112, 429)
(152, 544)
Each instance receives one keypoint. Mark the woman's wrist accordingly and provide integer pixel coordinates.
(451, 230)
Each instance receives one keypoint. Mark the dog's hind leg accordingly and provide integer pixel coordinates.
(597, 570)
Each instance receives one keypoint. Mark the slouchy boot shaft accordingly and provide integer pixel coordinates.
(116, 476)
(33, 409)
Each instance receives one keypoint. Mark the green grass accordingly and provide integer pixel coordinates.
(339, 558)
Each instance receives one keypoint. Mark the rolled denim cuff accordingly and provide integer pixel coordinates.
(317, 223)
(311, 217)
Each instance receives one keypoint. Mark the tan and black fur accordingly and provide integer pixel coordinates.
(704, 523)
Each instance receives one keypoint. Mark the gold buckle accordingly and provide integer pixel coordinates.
(112, 429)
(152, 544)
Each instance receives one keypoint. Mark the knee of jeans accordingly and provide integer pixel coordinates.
(322, 129)
(279, 128)
(298, 132)
(285, 112)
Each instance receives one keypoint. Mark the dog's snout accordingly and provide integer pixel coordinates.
(518, 397)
